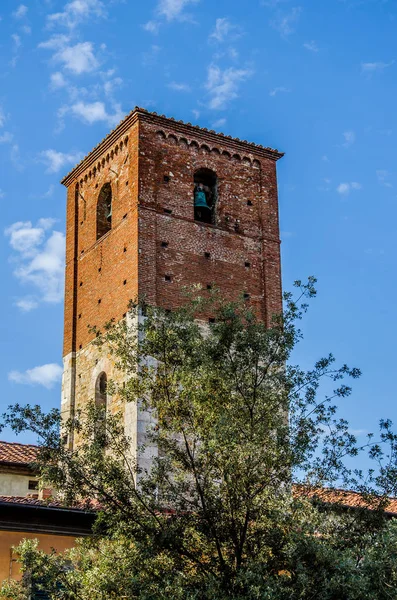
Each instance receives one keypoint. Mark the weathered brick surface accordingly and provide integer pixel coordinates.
(246, 229)
(103, 275)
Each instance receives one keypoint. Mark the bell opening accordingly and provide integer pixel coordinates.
(205, 195)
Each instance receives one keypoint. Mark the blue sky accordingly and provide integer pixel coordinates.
(316, 79)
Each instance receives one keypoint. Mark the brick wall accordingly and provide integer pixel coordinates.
(243, 244)
(101, 275)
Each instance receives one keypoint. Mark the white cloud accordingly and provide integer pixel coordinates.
(152, 26)
(93, 112)
(49, 192)
(344, 189)
(374, 67)
(16, 46)
(55, 42)
(383, 177)
(76, 12)
(174, 9)
(219, 123)
(110, 85)
(55, 161)
(6, 138)
(57, 80)
(38, 258)
(17, 41)
(285, 23)
(45, 375)
(223, 85)
(20, 12)
(277, 90)
(196, 113)
(78, 59)
(170, 10)
(223, 28)
(311, 46)
(26, 304)
(350, 138)
(2, 117)
(179, 87)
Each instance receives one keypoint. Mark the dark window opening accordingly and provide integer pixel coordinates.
(104, 211)
(125, 282)
(33, 484)
(249, 203)
(211, 320)
(167, 277)
(164, 244)
(101, 388)
(246, 296)
(167, 211)
(205, 195)
(247, 264)
(209, 287)
(166, 178)
(207, 255)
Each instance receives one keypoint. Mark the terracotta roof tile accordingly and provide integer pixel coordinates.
(18, 454)
(93, 505)
(347, 498)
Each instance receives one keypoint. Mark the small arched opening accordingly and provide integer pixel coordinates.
(101, 388)
(205, 195)
(104, 211)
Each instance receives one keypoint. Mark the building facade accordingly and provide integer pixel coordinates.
(160, 205)
(17, 475)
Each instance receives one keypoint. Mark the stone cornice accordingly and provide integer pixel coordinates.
(181, 127)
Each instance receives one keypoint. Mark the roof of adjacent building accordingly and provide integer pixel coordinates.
(162, 120)
(348, 498)
(49, 517)
(13, 453)
(92, 505)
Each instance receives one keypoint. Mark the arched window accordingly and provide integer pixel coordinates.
(104, 211)
(205, 195)
(101, 386)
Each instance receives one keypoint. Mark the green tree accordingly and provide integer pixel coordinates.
(217, 516)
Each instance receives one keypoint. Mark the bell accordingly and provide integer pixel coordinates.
(200, 200)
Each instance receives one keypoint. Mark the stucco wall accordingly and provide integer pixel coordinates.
(12, 484)
(9, 567)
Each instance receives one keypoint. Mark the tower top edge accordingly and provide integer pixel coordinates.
(141, 114)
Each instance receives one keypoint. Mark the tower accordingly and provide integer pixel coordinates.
(157, 206)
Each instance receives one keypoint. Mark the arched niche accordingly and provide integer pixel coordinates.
(104, 211)
(101, 387)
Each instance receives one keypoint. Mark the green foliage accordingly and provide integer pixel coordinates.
(234, 423)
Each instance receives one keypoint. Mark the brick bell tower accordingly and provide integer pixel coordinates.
(159, 205)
